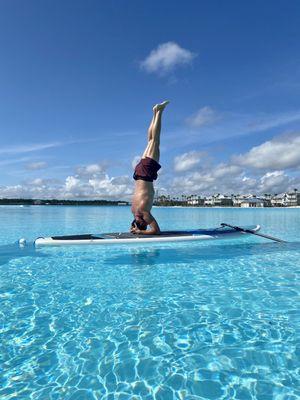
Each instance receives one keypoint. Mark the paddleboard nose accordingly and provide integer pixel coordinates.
(22, 242)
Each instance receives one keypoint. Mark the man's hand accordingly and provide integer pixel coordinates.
(135, 230)
(151, 221)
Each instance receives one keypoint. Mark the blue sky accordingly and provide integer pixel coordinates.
(78, 80)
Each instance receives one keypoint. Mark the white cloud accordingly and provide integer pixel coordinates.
(72, 183)
(278, 153)
(249, 182)
(121, 180)
(38, 188)
(166, 57)
(135, 160)
(224, 125)
(91, 170)
(112, 187)
(226, 170)
(90, 181)
(31, 147)
(36, 165)
(230, 178)
(264, 121)
(187, 161)
(98, 187)
(204, 116)
(14, 161)
(221, 178)
(193, 173)
(28, 148)
(275, 182)
(37, 182)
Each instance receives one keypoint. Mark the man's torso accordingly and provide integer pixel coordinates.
(143, 196)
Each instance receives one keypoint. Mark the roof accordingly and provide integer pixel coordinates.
(253, 200)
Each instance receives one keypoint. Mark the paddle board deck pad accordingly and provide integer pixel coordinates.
(130, 238)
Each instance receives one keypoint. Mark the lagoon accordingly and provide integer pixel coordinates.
(213, 320)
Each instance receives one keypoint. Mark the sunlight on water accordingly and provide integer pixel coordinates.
(213, 320)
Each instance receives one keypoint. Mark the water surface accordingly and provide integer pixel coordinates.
(211, 320)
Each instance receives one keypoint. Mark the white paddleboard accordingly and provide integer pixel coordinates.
(130, 238)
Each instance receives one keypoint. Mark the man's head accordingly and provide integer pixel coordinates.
(139, 223)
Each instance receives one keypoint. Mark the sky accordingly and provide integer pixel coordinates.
(78, 79)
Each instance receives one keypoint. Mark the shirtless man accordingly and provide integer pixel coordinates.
(144, 174)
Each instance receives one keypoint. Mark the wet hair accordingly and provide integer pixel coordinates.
(142, 226)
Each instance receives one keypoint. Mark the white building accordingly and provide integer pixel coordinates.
(252, 202)
(279, 200)
(292, 199)
(209, 201)
(223, 200)
(195, 200)
(237, 199)
(218, 200)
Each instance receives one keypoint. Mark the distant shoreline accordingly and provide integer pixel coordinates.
(241, 208)
(56, 202)
(126, 204)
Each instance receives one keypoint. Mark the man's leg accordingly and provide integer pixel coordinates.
(152, 149)
(150, 129)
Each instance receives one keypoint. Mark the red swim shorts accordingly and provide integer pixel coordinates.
(146, 170)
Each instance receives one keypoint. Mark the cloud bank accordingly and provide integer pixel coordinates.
(279, 153)
(271, 167)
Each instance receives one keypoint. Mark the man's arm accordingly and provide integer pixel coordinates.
(151, 221)
(154, 229)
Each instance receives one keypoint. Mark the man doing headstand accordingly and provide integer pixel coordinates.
(144, 174)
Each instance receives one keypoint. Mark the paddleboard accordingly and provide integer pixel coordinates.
(130, 238)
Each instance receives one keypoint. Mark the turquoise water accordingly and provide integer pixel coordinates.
(211, 320)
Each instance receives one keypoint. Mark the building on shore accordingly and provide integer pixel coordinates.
(288, 199)
(209, 201)
(237, 199)
(221, 200)
(252, 202)
(218, 200)
(278, 200)
(293, 198)
(194, 200)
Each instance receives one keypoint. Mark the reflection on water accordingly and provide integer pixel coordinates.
(184, 253)
(13, 251)
(153, 253)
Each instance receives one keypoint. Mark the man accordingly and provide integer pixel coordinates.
(144, 174)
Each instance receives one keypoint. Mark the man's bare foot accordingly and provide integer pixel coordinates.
(161, 106)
